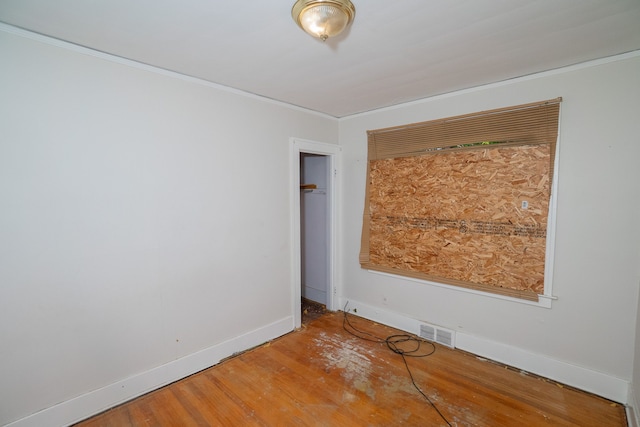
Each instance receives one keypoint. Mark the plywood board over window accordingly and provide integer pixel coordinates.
(465, 200)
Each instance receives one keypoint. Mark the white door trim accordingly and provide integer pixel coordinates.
(333, 152)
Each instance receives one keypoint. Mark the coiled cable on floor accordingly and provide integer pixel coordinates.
(394, 342)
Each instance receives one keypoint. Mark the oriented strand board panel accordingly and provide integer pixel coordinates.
(478, 216)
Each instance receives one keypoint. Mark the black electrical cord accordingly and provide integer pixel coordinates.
(392, 342)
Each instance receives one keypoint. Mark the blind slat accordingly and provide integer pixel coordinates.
(534, 124)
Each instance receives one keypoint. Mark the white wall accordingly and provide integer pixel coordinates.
(634, 389)
(143, 218)
(590, 329)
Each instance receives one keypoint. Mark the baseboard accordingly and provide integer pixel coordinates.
(581, 378)
(314, 295)
(633, 417)
(94, 402)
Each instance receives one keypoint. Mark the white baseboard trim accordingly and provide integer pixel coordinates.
(581, 378)
(315, 295)
(633, 417)
(575, 376)
(94, 402)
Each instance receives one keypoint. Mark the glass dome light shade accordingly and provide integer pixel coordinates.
(323, 18)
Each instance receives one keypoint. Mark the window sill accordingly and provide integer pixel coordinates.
(544, 301)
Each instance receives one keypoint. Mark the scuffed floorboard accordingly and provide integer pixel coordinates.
(321, 375)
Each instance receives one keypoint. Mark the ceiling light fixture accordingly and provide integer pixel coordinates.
(323, 18)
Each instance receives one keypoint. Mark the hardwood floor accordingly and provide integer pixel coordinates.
(323, 376)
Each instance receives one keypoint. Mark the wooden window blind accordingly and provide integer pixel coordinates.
(442, 205)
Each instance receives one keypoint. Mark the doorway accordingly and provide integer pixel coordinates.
(314, 227)
(314, 188)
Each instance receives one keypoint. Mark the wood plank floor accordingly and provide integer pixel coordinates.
(323, 376)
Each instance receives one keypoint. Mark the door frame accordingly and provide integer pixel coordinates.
(333, 152)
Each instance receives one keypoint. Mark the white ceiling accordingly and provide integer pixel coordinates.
(395, 51)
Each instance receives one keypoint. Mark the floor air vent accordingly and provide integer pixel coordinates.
(437, 334)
